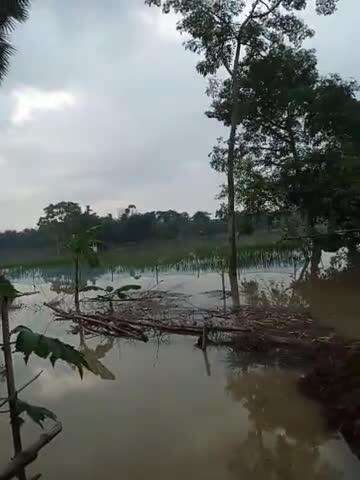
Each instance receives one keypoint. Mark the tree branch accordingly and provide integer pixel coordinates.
(30, 454)
(269, 10)
(265, 4)
(227, 66)
(249, 17)
(22, 388)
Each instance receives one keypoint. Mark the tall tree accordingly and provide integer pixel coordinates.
(81, 247)
(230, 34)
(61, 220)
(11, 12)
(300, 144)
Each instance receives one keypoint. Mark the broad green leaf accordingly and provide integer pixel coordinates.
(126, 288)
(91, 288)
(121, 295)
(29, 342)
(37, 414)
(103, 298)
(7, 290)
(81, 246)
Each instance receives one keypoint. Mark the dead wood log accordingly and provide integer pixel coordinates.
(22, 459)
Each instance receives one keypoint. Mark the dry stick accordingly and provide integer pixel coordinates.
(22, 388)
(207, 363)
(30, 454)
(28, 294)
(119, 330)
(223, 289)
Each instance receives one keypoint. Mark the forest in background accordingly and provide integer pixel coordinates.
(61, 220)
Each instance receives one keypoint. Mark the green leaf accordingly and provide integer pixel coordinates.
(29, 342)
(7, 290)
(135, 275)
(126, 288)
(37, 414)
(91, 288)
(103, 298)
(81, 246)
(121, 295)
(91, 257)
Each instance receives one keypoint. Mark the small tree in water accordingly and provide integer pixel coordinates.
(81, 247)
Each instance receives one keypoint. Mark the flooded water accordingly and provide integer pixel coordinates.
(166, 412)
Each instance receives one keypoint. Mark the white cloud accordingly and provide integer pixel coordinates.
(29, 100)
(156, 22)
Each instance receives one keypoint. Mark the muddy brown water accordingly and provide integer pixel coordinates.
(156, 413)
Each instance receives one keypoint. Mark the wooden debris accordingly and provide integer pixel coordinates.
(118, 326)
(28, 455)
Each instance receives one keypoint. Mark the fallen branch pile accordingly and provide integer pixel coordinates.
(257, 329)
(117, 326)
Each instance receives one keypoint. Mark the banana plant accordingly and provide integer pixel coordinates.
(81, 248)
(27, 343)
(109, 294)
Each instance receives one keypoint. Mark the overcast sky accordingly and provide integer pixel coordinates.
(102, 106)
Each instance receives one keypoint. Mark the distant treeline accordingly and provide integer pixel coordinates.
(63, 219)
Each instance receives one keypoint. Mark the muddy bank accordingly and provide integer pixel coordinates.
(335, 383)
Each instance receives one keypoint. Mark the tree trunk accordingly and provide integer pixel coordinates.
(77, 283)
(315, 249)
(10, 380)
(315, 259)
(231, 183)
(223, 289)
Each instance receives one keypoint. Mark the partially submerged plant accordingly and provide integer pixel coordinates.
(81, 247)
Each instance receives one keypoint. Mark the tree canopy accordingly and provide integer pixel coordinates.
(299, 145)
(11, 12)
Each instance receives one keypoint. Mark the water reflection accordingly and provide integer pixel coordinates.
(281, 443)
(273, 293)
(93, 356)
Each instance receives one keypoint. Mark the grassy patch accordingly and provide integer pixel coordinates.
(201, 254)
